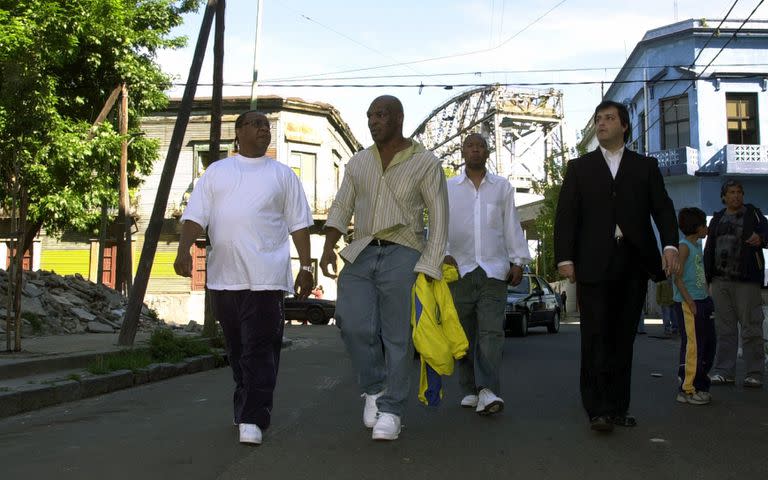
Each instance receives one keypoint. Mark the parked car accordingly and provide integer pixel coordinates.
(317, 311)
(532, 303)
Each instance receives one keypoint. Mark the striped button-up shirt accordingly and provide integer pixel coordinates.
(389, 204)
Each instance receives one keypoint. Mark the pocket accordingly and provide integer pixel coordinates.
(494, 216)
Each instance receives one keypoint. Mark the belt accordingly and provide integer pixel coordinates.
(377, 242)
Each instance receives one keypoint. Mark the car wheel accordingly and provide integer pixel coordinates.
(520, 327)
(316, 316)
(554, 325)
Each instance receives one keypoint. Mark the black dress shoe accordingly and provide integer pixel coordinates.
(624, 420)
(601, 423)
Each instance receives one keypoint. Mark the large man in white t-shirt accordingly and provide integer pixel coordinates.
(487, 245)
(250, 203)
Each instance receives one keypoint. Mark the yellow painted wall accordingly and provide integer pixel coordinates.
(66, 262)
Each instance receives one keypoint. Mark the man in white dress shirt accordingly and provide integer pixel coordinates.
(487, 245)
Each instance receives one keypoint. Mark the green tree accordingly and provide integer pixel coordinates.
(554, 172)
(59, 61)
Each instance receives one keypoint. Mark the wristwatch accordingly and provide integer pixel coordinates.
(308, 268)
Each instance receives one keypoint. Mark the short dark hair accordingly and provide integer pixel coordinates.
(728, 184)
(690, 219)
(623, 115)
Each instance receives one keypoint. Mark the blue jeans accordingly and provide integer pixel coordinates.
(669, 318)
(480, 303)
(373, 310)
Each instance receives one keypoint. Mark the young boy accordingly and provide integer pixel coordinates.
(694, 307)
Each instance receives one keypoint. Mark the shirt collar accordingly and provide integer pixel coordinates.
(607, 153)
(462, 177)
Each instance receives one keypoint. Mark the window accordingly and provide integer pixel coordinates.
(641, 133)
(676, 123)
(303, 165)
(203, 158)
(741, 110)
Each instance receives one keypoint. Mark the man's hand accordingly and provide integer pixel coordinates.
(515, 275)
(568, 272)
(670, 262)
(328, 259)
(692, 306)
(449, 260)
(183, 263)
(754, 240)
(303, 284)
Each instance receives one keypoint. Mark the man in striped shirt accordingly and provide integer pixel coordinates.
(386, 187)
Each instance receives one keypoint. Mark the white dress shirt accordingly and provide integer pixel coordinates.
(483, 228)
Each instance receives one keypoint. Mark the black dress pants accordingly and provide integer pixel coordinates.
(610, 313)
(253, 327)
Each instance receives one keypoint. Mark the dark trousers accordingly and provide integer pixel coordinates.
(697, 345)
(253, 327)
(610, 312)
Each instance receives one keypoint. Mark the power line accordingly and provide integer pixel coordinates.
(431, 59)
(506, 72)
(446, 86)
(347, 37)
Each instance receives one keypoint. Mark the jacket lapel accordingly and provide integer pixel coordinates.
(601, 165)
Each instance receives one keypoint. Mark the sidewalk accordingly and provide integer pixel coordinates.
(52, 370)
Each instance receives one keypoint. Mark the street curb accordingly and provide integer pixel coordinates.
(37, 396)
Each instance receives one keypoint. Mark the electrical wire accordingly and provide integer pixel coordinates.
(430, 59)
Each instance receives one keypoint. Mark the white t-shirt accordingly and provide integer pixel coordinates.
(250, 206)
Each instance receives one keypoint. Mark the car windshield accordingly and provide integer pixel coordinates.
(522, 288)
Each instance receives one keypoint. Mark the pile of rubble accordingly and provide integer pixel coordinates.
(54, 305)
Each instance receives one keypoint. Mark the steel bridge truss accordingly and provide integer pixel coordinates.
(501, 115)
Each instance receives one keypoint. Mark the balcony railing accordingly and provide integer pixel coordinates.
(746, 159)
(677, 161)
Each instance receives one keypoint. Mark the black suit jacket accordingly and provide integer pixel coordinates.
(592, 203)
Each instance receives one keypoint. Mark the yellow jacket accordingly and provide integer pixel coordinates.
(437, 332)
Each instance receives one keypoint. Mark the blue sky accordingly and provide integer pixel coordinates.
(303, 39)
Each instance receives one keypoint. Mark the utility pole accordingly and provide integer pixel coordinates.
(125, 271)
(209, 321)
(259, 7)
(152, 235)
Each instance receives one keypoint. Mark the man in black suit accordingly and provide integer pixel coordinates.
(605, 242)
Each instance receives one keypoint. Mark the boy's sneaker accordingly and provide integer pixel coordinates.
(371, 410)
(469, 401)
(695, 398)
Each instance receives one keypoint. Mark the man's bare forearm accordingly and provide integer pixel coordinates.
(190, 231)
(301, 241)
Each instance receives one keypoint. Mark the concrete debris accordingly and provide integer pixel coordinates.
(52, 304)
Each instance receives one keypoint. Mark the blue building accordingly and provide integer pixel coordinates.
(698, 102)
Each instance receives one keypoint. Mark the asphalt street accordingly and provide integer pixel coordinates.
(182, 429)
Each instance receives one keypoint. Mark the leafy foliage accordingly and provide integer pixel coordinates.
(554, 173)
(59, 61)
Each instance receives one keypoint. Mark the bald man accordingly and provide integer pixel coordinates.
(386, 187)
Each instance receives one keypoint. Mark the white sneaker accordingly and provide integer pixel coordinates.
(387, 427)
(250, 433)
(371, 411)
(469, 401)
(488, 403)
